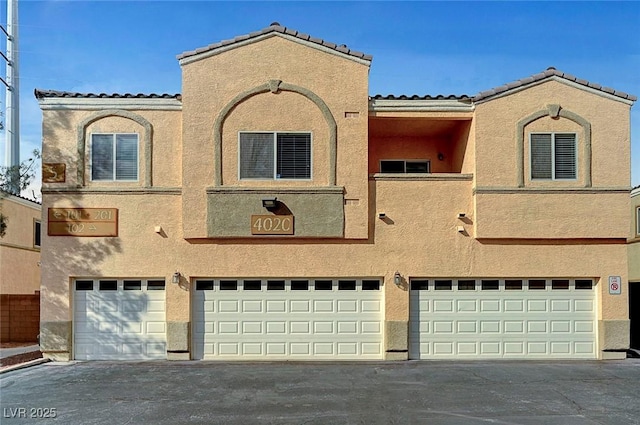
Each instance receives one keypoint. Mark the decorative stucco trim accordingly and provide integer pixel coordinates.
(546, 190)
(421, 177)
(554, 111)
(274, 86)
(113, 191)
(380, 105)
(24, 248)
(287, 190)
(147, 140)
(91, 104)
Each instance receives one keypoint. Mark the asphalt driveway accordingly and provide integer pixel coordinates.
(433, 393)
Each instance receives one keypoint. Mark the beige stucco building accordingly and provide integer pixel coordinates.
(274, 210)
(20, 269)
(634, 269)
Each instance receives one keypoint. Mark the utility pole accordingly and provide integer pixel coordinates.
(12, 100)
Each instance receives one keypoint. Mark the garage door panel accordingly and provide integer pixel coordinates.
(300, 306)
(119, 324)
(539, 348)
(323, 327)
(509, 322)
(537, 326)
(301, 323)
(584, 306)
(252, 327)
(490, 305)
(323, 306)
(560, 306)
(537, 306)
(466, 306)
(443, 305)
(370, 327)
(276, 306)
(300, 327)
(347, 306)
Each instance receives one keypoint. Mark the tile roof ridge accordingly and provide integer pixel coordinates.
(547, 73)
(275, 27)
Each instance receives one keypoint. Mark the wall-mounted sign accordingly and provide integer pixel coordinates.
(84, 222)
(54, 172)
(272, 225)
(615, 285)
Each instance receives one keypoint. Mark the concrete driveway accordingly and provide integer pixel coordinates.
(434, 393)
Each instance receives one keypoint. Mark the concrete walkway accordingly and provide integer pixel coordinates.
(290, 393)
(14, 351)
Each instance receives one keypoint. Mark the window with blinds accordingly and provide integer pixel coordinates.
(275, 156)
(553, 156)
(114, 157)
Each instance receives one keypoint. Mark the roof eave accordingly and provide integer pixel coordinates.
(526, 83)
(199, 54)
(421, 105)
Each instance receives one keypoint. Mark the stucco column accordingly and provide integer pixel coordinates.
(178, 326)
(396, 323)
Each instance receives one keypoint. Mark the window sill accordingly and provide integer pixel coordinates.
(420, 176)
(274, 189)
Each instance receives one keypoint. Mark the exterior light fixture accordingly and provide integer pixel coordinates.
(176, 277)
(269, 203)
(440, 156)
(397, 278)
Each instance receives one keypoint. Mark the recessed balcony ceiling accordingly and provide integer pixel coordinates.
(394, 127)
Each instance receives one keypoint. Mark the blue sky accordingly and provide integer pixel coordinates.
(417, 47)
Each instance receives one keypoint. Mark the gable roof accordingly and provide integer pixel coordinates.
(274, 29)
(550, 73)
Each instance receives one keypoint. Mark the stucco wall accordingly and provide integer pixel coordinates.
(339, 82)
(496, 133)
(19, 258)
(634, 242)
(67, 132)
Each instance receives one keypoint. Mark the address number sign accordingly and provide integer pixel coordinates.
(272, 225)
(83, 222)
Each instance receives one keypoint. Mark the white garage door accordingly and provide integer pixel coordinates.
(498, 318)
(268, 319)
(119, 319)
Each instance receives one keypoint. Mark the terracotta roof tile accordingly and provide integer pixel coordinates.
(40, 94)
(418, 97)
(276, 27)
(550, 72)
(4, 194)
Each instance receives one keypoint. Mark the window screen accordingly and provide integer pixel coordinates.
(114, 157)
(256, 155)
(553, 156)
(275, 155)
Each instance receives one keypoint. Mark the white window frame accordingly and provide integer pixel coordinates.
(114, 157)
(553, 156)
(275, 155)
(428, 161)
(638, 221)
